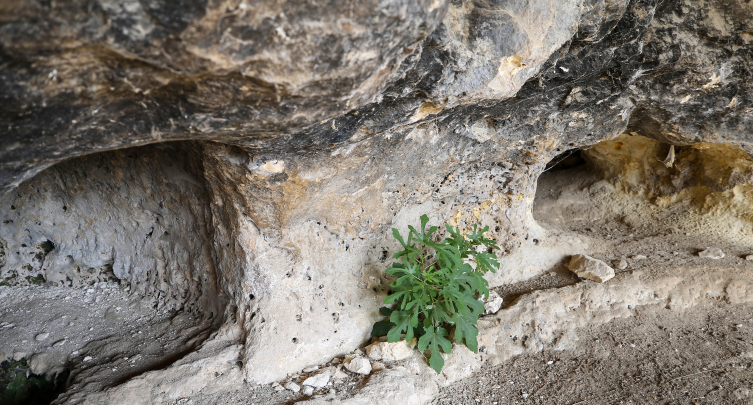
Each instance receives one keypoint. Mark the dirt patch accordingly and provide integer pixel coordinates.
(703, 356)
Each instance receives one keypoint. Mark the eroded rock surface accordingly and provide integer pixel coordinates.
(139, 217)
(123, 74)
(310, 129)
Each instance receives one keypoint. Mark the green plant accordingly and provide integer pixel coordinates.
(436, 288)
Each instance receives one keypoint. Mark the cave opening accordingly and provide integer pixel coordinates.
(106, 271)
(635, 202)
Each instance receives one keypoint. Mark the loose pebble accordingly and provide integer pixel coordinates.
(588, 267)
(493, 303)
(620, 263)
(318, 380)
(359, 365)
(712, 253)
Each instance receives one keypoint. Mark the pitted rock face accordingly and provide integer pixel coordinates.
(138, 217)
(322, 125)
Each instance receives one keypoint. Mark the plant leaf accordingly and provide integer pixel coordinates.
(399, 238)
(385, 311)
(435, 286)
(381, 328)
(466, 331)
(424, 221)
(402, 320)
(433, 339)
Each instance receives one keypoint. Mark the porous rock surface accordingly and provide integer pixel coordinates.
(308, 130)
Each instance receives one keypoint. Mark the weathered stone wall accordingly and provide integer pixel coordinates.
(302, 244)
(138, 216)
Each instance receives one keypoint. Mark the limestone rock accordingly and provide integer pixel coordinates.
(287, 79)
(493, 303)
(48, 364)
(390, 351)
(65, 236)
(291, 141)
(318, 380)
(588, 267)
(712, 253)
(339, 374)
(211, 369)
(359, 365)
(620, 263)
(292, 386)
(391, 386)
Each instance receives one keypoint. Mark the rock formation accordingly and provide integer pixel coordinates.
(247, 160)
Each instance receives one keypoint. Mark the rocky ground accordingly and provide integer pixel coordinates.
(90, 338)
(700, 355)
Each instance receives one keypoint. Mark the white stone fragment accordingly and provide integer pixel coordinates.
(390, 351)
(359, 365)
(42, 336)
(493, 303)
(292, 387)
(590, 268)
(712, 253)
(749, 257)
(310, 369)
(318, 380)
(308, 391)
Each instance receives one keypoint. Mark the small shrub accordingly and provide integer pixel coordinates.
(437, 289)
